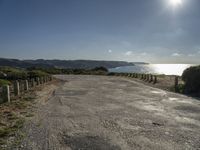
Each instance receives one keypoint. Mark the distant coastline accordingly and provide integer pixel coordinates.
(65, 64)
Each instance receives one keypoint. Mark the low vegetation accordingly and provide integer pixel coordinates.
(8, 74)
(191, 77)
(12, 117)
(4, 82)
(94, 71)
(13, 114)
(36, 73)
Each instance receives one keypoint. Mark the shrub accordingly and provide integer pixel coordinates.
(37, 73)
(191, 77)
(13, 73)
(4, 82)
(47, 70)
(112, 74)
(100, 69)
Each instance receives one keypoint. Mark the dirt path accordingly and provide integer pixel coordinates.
(112, 113)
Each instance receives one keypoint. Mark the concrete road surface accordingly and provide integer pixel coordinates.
(113, 113)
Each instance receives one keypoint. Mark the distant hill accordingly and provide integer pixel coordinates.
(140, 63)
(84, 64)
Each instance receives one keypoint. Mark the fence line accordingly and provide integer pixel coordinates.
(150, 78)
(18, 87)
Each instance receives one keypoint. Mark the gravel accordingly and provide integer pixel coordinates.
(112, 113)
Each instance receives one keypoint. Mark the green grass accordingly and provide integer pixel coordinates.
(13, 73)
(29, 115)
(18, 124)
(5, 131)
(12, 118)
(4, 82)
(12, 130)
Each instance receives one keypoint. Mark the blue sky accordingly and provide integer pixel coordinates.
(152, 31)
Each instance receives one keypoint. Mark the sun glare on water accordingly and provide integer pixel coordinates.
(170, 69)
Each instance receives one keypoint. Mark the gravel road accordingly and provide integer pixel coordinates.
(112, 113)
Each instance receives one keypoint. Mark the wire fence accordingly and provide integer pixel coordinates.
(19, 87)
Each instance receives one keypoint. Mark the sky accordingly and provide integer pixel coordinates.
(154, 31)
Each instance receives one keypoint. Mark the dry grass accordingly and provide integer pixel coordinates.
(14, 114)
(12, 117)
(165, 82)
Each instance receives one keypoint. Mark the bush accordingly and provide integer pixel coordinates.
(100, 69)
(47, 70)
(191, 77)
(4, 82)
(112, 74)
(37, 73)
(13, 73)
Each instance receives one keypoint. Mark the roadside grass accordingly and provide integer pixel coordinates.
(165, 82)
(4, 82)
(12, 118)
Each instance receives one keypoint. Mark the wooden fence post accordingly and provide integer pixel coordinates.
(51, 78)
(32, 82)
(147, 79)
(6, 93)
(26, 88)
(151, 78)
(133, 75)
(139, 75)
(41, 80)
(38, 81)
(16, 88)
(142, 76)
(136, 75)
(44, 79)
(155, 79)
(176, 84)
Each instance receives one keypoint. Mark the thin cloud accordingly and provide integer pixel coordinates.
(176, 54)
(128, 53)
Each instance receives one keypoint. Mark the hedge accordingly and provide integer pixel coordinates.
(191, 77)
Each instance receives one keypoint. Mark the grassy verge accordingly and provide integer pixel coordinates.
(165, 82)
(12, 118)
(4, 82)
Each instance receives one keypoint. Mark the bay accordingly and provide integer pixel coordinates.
(167, 69)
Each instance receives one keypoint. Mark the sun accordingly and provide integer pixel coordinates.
(175, 2)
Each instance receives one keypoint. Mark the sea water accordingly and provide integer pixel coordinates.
(167, 69)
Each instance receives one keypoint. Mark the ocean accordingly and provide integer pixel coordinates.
(167, 69)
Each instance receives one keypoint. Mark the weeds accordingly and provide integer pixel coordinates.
(12, 118)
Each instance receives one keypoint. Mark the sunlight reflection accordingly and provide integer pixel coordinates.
(170, 69)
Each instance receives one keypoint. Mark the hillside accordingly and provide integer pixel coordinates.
(85, 64)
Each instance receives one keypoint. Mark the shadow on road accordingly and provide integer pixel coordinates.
(88, 142)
